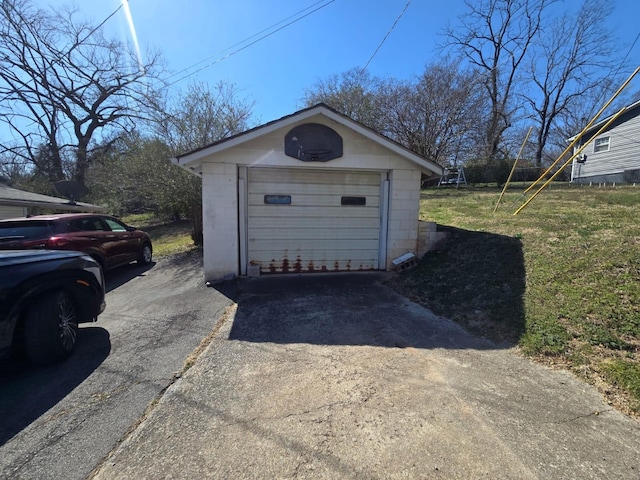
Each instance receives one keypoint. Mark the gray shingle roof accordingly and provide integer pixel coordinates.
(19, 198)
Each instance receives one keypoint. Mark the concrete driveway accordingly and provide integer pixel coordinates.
(338, 377)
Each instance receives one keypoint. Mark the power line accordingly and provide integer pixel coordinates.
(245, 40)
(387, 35)
(629, 51)
(620, 66)
(252, 43)
(101, 24)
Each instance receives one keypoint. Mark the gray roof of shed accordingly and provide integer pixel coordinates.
(19, 198)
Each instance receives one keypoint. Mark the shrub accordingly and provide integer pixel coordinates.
(481, 171)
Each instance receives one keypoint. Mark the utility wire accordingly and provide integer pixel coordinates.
(101, 24)
(603, 93)
(245, 40)
(629, 51)
(387, 35)
(251, 43)
(295, 16)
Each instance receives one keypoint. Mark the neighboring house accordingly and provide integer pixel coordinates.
(16, 203)
(311, 192)
(613, 156)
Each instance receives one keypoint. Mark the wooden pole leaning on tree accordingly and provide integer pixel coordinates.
(578, 152)
(513, 169)
(577, 137)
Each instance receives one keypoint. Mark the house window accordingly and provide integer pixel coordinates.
(601, 144)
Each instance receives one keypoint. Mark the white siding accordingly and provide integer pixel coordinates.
(12, 212)
(220, 220)
(404, 212)
(623, 153)
(315, 232)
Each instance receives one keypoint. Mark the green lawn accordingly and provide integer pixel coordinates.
(167, 238)
(561, 280)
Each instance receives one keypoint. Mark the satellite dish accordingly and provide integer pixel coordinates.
(71, 189)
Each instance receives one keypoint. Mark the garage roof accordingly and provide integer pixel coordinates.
(192, 161)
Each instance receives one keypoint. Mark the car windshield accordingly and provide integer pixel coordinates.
(25, 229)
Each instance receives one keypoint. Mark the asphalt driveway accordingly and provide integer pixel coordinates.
(338, 377)
(60, 421)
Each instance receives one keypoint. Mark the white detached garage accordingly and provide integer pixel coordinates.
(311, 192)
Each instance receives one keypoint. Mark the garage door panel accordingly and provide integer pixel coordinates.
(260, 189)
(352, 233)
(319, 246)
(334, 223)
(293, 264)
(316, 199)
(302, 213)
(340, 255)
(315, 232)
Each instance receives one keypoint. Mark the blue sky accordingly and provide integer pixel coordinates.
(275, 72)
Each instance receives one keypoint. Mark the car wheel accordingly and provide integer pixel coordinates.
(51, 328)
(144, 257)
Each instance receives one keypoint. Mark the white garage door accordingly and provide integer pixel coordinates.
(303, 220)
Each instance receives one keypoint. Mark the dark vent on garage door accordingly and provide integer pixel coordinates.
(353, 201)
(277, 199)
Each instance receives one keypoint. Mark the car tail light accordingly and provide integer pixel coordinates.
(57, 242)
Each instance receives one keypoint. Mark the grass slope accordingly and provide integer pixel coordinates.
(561, 280)
(167, 238)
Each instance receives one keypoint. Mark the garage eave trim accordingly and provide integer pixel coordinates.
(194, 167)
(192, 161)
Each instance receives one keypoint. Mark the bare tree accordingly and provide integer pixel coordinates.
(573, 59)
(62, 84)
(434, 115)
(203, 115)
(438, 115)
(12, 170)
(495, 37)
(354, 93)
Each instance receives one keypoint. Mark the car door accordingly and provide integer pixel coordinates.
(107, 242)
(124, 243)
(83, 235)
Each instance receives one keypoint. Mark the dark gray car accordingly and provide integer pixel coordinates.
(44, 295)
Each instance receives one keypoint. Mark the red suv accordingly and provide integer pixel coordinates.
(109, 241)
